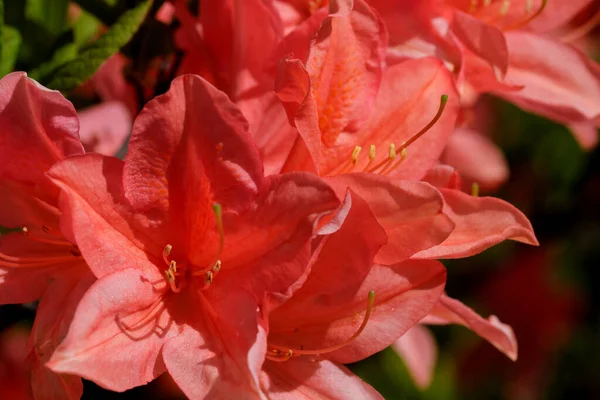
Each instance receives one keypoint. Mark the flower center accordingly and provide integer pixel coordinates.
(392, 161)
(500, 10)
(282, 353)
(64, 251)
(178, 276)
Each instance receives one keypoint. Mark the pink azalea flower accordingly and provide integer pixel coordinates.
(346, 309)
(504, 48)
(184, 236)
(38, 259)
(105, 127)
(345, 107)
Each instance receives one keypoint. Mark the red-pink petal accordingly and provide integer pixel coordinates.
(99, 347)
(449, 311)
(275, 234)
(476, 158)
(337, 268)
(191, 143)
(97, 216)
(39, 127)
(567, 91)
(53, 317)
(418, 350)
(300, 378)
(481, 222)
(220, 350)
(409, 212)
(404, 294)
(484, 40)
(104, 127)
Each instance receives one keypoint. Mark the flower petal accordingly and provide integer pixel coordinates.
(482, 39)
(409, 212)
(98, 217)
(343, 71)
(476, 158)
(267, 248)
(53, 317)
(337, 268)
(182, 160)
(567, 91)
(404, 294)
(304, 379)
(228, 364)
(117, 333)
(418, 350)
(408, 99)
(105, 127)
(39, 127)
(481, 222)
(451, 311)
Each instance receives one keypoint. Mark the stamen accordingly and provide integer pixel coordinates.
(475, 189)
(474, 4)
(390, 168)
(438, 115)
(170, 274)
(26, 232)
(504, 7)
(279, 353)
(219, 218)
(527, 20)
(372, 150)
(391, 156)
(166, 253)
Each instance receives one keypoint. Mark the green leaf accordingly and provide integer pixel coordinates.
(50, 14)
(85, 28)
(11, 41)
(77, 71)
(60, 57)
(1, 22)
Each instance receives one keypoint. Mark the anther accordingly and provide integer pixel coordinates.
(475, 189)
(278, 353)
(504, 7)
(27, 233)
(528, 19)
(209, 277)
(355, 154)
(166, 253)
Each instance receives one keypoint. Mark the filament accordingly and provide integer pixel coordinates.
(279, 353)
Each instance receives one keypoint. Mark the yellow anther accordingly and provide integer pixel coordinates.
(475, 189)
(355, 154)
(209, 277)
(392, 151)
(505, 7)
(217, 267)
(372, 152)
(474, 4)
(528, 6)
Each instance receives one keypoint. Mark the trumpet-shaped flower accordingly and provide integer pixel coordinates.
(37, 260)
(190, 243)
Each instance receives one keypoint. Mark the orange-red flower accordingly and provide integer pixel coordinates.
(190, 242)
(37, 258)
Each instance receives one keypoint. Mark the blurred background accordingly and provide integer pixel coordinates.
(550, 295)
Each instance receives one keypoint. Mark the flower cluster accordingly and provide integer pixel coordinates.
(283, 207)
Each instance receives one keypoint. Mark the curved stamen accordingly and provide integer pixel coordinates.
(438, 115)
(530, 18)
(26, 232)
(280, 353)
